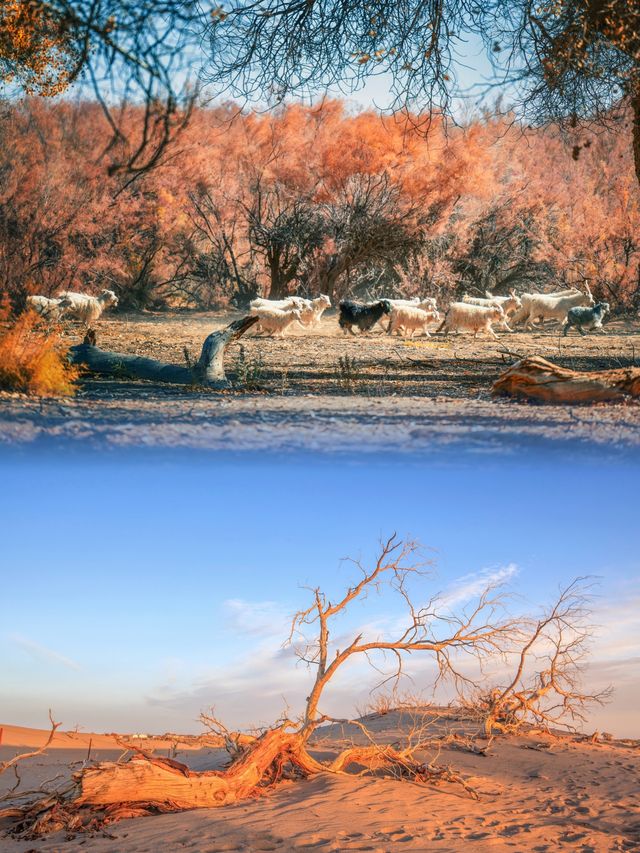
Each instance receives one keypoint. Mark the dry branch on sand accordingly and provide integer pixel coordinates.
(12, 762)
(544, 689)
(536, 378)
(146, 784)
(207, 371)
(15, 793)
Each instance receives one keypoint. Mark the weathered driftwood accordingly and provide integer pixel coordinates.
(168, 785)
(156, 780)
(536, 378)
(144, 785)
(207, 371)
(278, 752)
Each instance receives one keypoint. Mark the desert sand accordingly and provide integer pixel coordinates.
(535, 793)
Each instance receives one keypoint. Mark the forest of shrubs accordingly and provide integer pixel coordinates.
(312, 200)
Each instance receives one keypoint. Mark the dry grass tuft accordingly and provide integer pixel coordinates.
(32, 357)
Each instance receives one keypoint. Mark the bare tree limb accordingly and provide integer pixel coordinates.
(12, 762)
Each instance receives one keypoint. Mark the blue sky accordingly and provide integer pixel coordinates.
(139, 591)
(471, 72)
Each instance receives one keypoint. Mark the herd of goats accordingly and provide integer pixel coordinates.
(572, 308)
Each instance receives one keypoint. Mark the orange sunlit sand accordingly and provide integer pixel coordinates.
(535, 792)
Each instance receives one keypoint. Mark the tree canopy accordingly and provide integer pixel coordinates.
(558, 60)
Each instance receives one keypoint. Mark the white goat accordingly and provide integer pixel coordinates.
(509, 304)
(282, 304)
(461, 316)
(303, 305)
(318, 306)
(275, 321)
(527, 298)
(51, 309)
(427, 303)
(410, 318)
(88, 308)
(546, 306)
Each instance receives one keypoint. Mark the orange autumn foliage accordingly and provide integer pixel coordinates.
(35, 49)
(32, 357)
(312, 199)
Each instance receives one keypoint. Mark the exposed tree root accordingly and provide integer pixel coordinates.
(536, 378)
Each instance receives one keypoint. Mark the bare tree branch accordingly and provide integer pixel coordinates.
(12, 762)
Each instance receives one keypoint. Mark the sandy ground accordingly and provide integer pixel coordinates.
(420, 396)
(536, 794)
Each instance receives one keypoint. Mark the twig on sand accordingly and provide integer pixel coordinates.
(5, 765)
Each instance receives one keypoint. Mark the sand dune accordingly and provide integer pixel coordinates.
(536, 794)
(22, 736)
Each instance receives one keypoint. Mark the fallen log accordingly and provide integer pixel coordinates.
(207, 371)
(535, 378)
(145, 785)
(162, 781)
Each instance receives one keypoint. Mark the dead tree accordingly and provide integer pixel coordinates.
(545, 689)
(208, 371)
(146, 784)
(537, 379)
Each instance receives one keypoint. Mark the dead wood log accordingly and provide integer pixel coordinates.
(207, 371)
(535, 378)
(144, 785)
(112, 791)
(161, 780)
(165, 785)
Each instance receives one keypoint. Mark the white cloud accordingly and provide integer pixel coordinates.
(42, 653)
(257, 685)
(469, 586)
(256, 618)
(617, 620)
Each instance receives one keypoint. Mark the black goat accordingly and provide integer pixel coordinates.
(364, 315)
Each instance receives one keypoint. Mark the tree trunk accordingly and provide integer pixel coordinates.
(158, 780)
(635, 106)
(147, 785)
(208, 371)
(144, 785)
(538, 379)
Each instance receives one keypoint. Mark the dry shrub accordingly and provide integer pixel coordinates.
(32, 357)
(379, 706)
(384, 703)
